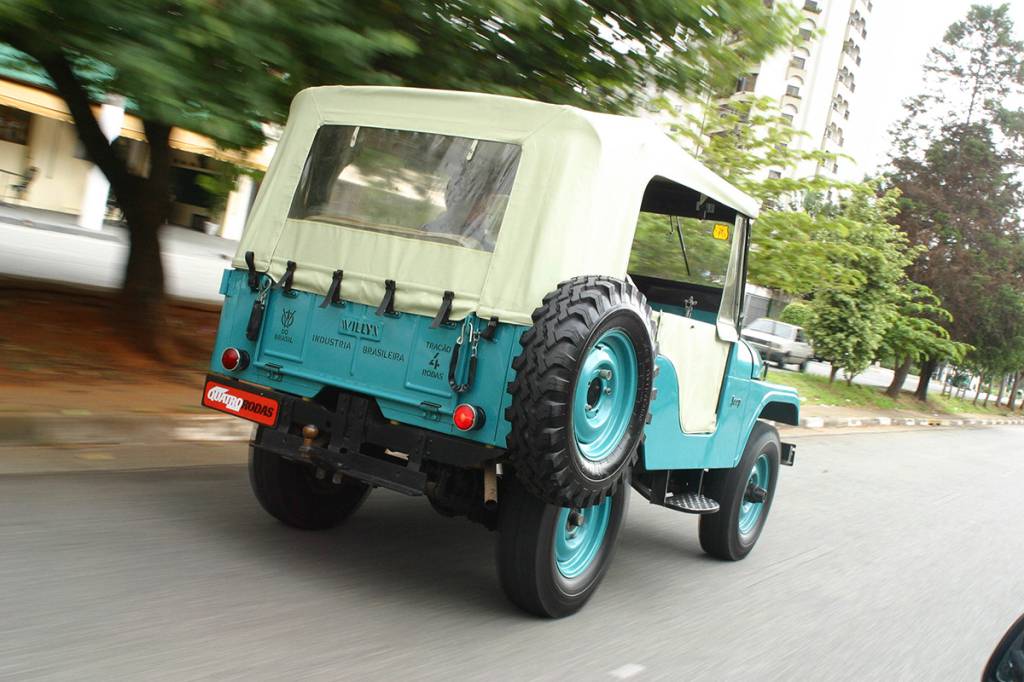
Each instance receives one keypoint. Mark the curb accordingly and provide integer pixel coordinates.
(155, 429)
(120, 429)
(844, 422)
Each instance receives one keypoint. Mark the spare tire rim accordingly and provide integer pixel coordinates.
(605, 395)
(750, 510)
(579, 534)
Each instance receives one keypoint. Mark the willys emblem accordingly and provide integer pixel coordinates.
(287, 317)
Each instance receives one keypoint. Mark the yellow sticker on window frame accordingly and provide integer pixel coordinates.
(720, 232)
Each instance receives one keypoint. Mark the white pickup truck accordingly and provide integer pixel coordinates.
(779, 342)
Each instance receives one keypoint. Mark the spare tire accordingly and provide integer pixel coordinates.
(582, 391)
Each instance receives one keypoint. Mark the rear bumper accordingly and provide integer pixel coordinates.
(356, 440)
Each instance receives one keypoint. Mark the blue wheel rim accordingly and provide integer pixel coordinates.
(579, 534)
(605, 395)
(750, 511)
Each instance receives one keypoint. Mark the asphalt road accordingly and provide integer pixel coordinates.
(888, 556)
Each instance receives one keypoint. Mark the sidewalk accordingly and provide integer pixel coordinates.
(49, 246)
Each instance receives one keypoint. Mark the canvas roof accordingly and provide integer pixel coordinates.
(572, 210)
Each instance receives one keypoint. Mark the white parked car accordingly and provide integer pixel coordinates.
(779, 342)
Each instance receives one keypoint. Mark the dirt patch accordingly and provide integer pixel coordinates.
(60, 353)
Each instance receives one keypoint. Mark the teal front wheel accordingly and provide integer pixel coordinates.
(744, 495)
(551, 559)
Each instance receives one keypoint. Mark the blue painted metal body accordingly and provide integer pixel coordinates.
(742, 400)
(403, 363)
(399, 359)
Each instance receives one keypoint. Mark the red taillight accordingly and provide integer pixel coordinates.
(468, 418)
(234, 360)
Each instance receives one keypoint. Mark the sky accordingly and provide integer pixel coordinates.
(900, 34)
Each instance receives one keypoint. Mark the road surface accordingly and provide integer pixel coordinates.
(891, 555)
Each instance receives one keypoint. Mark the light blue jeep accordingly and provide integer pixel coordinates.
(517, 310)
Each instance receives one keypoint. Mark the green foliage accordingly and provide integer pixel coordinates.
(969, 78)
(998, 339)
(915, 333)
(799, 313)
(844, 253)
(746, 137)
(958, 162)
(792, 247)
(221, 182)
(226, 68)
(850, 319)
(657, 252)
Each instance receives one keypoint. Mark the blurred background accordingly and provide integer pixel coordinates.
(884, 140)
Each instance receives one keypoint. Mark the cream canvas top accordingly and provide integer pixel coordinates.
(572, 209)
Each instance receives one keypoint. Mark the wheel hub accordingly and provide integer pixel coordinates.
(605, 395)
(754, 495)
(579, 535)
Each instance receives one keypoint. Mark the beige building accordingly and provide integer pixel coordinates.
(814, 84)
(43, 165)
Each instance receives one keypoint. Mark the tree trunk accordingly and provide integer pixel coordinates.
(899, 377)
(1013, 390)
(977, 392)
(145, 210)
(1002, 389)
(927, 367)
(832, 374)
(144, 201)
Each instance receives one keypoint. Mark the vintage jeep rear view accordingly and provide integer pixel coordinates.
(516, 310)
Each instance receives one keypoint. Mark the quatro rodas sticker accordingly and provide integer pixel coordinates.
(245, 404)
(720, 232)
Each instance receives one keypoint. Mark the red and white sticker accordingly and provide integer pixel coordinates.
(240, 403)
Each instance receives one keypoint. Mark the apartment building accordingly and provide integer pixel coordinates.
(815, 83)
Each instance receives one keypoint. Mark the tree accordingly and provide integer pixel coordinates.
(914, 333)
(845, 254)
(223, 68)
(957, 156)
(969, 78)
(849, 321)
(798, 313)
(742, 141)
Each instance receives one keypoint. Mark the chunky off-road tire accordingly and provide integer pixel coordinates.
(290, 492)
(547, 565)
(731, 532)
(582, 390)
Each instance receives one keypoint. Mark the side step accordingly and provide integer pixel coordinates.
(692, 503)
(654, 486)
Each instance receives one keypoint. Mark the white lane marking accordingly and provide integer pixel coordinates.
(627, 671)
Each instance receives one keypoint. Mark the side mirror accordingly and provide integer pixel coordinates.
(1007, 661)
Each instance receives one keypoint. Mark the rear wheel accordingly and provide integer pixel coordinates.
(290, 492)
(745, 495)
(551, 559)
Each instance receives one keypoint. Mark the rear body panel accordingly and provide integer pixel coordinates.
(399, 360)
